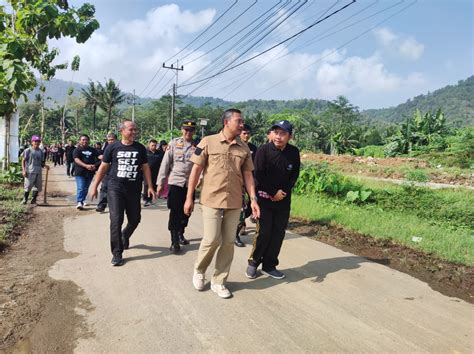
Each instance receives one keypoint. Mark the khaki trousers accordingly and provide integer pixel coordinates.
(219, 227)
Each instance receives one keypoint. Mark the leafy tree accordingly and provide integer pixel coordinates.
(25, 27)
(110, 96)
(341, 120)
(91, 95)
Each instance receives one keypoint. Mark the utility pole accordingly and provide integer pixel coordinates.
(177, 69)
(133, 106)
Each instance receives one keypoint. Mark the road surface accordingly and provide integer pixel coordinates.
(330, 301)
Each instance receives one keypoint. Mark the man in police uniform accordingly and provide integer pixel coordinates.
(176, 166)
(226, 164)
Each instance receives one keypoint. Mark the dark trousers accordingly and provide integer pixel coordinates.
(178, 219)
(154, 176)
(120, 201)
(70, 168)
(102, 204)
(270, 234)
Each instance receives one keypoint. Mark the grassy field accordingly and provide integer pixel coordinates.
(437, 221)
(12, 213)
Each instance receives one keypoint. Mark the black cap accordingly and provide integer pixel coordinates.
(189, 124)
(283, 124)
(247, 128)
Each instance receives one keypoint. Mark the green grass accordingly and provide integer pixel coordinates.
(442, 239)
(12, 213)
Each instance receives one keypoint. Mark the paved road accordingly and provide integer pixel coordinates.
(331, 301)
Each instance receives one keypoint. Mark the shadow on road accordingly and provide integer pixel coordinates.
(318, 270)
(157, 252)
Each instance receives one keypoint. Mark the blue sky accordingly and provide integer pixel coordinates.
(426, 46)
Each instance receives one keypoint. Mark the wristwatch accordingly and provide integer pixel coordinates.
(253, 198)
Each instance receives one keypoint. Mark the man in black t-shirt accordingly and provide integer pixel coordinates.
(85, 159)
(128, 163)
(102, 201)
(155, 156)
(69, 149)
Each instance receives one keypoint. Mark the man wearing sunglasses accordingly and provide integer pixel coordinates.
(176, 166)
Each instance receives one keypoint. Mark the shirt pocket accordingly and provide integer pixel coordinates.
(237, 159)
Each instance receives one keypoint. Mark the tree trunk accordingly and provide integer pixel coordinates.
(109, 117)
(6, 161)
(42, 120)
(94, 112)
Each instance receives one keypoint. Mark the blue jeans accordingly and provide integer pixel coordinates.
(82, 184)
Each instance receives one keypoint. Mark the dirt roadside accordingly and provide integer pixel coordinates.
(37, 311)
(448, 278)
(393, 168)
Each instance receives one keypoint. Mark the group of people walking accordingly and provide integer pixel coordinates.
(236, 181)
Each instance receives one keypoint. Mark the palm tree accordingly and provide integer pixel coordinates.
(91, 94)
(109, 97)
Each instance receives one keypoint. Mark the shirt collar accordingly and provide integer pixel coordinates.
(224, 139)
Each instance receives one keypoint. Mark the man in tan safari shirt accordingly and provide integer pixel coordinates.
(226, 164)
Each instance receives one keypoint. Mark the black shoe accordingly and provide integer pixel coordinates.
(117, 260)
(238, 242)
(126, 243)
(175, 248)
(147, 203)
(99, 209)
(33, 199)
(183, 241)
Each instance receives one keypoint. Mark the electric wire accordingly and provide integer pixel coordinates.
(340, 47)
(219, 32)
(274, 46)
(252, 45)
(190, 43)
(234, 35)
(240, 43)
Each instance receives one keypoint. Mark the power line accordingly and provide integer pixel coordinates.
(238, 45)
(237, 33)
(252, 72)
(341, 46)
(190, 43)
(204, 31)
(252, 45)
(276, 57)
(210, 39)
(274, 46)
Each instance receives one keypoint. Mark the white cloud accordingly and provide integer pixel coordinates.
(132, 51)
(411, 49)
(406, 47)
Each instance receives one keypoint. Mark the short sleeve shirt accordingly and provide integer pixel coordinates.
(34, 160)
(88, 155)
(223, 164)
(126, 165)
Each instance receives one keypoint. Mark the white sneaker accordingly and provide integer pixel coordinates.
(198, 281)
(221, 291)
(79, 206)
(85, 203)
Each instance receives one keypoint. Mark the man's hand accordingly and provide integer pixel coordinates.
(158, 190)
(24, 173)
(46, 167)
(278, 196)
(91, 167)
(255, 209)
(188, 206)
(151, 193)
(93, 191)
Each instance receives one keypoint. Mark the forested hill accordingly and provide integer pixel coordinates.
(456, 101)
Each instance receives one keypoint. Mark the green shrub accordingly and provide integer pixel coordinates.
(371, 150)
(12, 175)
(318, 178)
